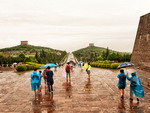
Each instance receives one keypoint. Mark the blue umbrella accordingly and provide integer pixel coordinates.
(48, 65)
(125, 64)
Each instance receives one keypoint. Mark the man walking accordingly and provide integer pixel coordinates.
(50, 80)
(68, 69)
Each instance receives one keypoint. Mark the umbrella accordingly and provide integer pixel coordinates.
(48, 65)
(125, 64)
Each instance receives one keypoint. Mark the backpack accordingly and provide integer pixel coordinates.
(35, 77)
(44, 75)
(67, 68)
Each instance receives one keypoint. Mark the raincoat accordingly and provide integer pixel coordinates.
(87, 67)
(122, 80)
(35, 80)
(135, 86)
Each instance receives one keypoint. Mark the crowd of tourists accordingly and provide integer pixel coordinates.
(135, 84)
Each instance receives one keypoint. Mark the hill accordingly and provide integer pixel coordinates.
(93, 53)
(26, 49)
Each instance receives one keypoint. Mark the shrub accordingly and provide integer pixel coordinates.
(114, 65)
(29, 66)
(21, 68)
(105, 64)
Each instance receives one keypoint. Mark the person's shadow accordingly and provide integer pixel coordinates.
(88, 86)
(68, 89)
(43, 102)
(121, 104)
(134, 107)
(36, 104)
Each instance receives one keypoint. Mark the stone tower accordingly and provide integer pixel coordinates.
(91, 44)
(24, 42)
(141, 50)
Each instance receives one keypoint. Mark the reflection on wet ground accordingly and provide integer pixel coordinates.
(68, 89)
(97, 95)
(43, 103)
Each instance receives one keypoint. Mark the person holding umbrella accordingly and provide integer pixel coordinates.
(121, 82)
(50, 80)
(135, 87)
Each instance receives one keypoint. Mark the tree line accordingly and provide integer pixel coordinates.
(44, 57)
(104, 55)
(41, 57)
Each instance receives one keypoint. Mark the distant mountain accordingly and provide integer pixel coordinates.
(92, 49)
(26, 49)
(93, 52)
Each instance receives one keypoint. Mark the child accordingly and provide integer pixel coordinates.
(135, 87)
(122, 82)
(45, 77)
(35, 81)
(40, 72)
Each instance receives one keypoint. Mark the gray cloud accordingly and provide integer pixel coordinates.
(71, 24)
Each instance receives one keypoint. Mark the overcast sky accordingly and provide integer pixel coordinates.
(71, 24)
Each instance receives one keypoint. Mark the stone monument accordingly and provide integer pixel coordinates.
(141, 50)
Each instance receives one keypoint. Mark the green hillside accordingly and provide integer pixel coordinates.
(30, 53)
(93, 53)
(26, 49)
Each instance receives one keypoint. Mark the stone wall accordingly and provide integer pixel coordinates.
(141, 50)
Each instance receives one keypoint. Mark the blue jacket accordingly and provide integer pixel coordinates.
(122, 79)
(35, 77)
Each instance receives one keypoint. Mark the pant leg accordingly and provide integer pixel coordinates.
(51, 84)
(49, 89)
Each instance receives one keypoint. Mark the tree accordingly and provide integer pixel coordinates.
(22, 56)
(107, 53)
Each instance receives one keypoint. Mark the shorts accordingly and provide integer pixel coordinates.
(35, 86)
(121, 86)
(88, 71)
(67, 74)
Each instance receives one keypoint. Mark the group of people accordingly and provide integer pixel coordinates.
(135, 85)
(36, 78)
(48, 74)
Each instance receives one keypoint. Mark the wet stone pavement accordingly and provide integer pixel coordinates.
(98, 95)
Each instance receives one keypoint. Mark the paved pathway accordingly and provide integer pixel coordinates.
(99, 95)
